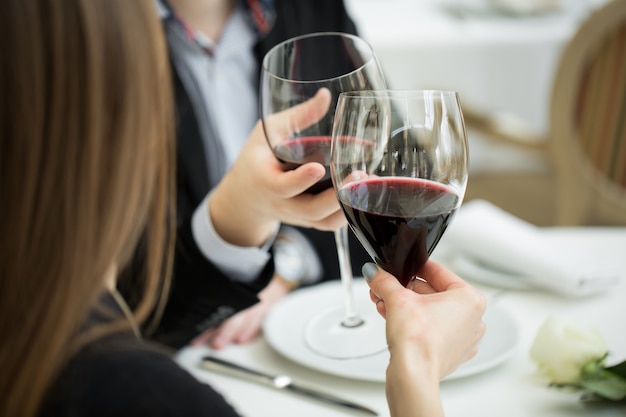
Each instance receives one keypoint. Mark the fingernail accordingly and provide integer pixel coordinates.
(369, 270)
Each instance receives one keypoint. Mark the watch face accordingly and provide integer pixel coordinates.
(289, 263)
(295, 258)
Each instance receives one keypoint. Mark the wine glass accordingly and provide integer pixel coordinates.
(293, 72)
(399, 166)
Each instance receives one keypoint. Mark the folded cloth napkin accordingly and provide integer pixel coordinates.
(487, 244)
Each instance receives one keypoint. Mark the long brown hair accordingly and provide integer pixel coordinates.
(86, 162)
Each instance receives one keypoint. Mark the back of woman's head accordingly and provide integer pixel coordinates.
(84, 136)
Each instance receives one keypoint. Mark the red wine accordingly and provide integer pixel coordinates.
(299, 151)
(398, 220)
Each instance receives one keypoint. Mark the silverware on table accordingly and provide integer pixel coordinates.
(281, 382)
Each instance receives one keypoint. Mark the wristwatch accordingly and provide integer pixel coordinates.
(295, 260)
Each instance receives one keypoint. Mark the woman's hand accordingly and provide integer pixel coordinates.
(432, 326)
(257, 194)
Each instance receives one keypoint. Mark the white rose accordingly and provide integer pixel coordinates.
(562, 347)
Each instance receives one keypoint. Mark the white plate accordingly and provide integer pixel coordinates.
(284, 329)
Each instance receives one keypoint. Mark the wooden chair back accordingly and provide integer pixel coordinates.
(588, 121)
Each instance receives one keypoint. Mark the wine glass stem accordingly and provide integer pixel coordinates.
(351, 318)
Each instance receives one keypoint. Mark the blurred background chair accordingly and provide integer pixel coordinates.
(581, 175)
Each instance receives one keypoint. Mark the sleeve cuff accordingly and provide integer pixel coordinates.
(242, 264)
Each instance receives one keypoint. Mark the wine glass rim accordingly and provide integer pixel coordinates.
(363, 42)
(399, 93)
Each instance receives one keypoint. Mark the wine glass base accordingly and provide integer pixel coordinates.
(327, 336)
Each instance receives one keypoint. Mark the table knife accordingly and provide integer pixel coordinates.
(280, 382)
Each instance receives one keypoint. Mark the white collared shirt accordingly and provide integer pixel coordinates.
(220, 78)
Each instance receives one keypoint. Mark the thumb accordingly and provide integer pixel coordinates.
(282, 125)
(312, 110)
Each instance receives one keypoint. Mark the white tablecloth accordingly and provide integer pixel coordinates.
(512, 389)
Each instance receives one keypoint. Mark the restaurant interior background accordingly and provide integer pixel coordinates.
(502, 56)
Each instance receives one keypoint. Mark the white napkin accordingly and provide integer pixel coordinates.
(487, 244)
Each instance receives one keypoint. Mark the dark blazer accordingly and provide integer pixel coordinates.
(202, 296)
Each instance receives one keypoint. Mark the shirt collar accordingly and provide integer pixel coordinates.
(261, 14)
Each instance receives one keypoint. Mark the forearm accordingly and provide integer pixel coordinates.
(237, 223)
(412, 389)
(241, 264)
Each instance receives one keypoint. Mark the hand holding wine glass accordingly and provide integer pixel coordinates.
(257, 194)
(399, 166)
(431, 329)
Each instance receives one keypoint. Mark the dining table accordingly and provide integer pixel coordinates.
(509, 385)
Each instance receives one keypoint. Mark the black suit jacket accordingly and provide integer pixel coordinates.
(202, 296)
